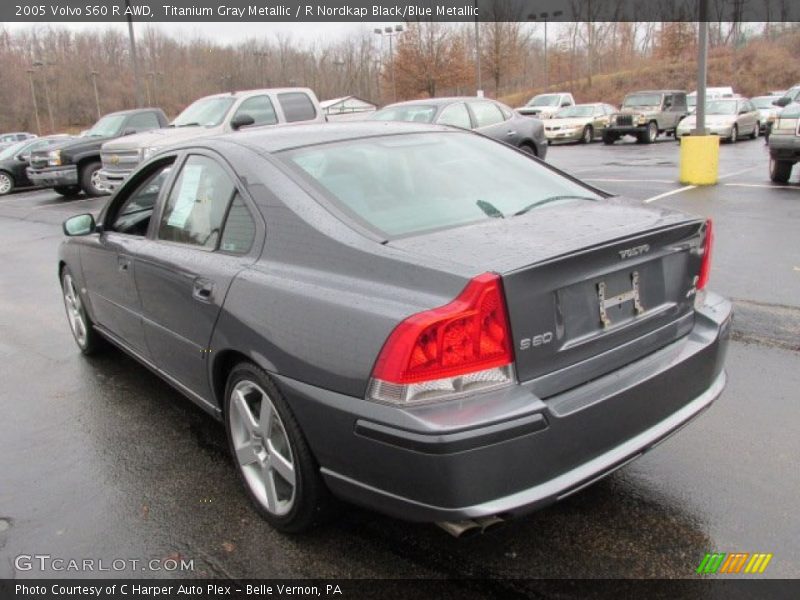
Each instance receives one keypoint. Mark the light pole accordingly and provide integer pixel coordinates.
(390, 32)
(94, 75)
(477, 54)
(147, 87)
(545, 16)
(260, 56)
(39, 63)
(132, 40)
(35, 106)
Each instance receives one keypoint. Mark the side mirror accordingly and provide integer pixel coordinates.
(22, 157)
(565, 103)
(79, 225)
(784, 101)
(128, 131)
(242, 120)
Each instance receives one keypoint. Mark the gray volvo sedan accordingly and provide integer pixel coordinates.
(414, 318)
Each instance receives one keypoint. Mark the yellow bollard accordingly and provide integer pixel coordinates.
(699, 159)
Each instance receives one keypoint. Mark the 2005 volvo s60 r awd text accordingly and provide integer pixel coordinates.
(409, 317)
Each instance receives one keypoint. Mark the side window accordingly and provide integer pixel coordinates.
(260, 108)
(456, 115)
(297, 106)
(240, 229)
(133, 215)
(486, 113)
(565, 101)
(667, 102)
(143, 122)
(195, 208)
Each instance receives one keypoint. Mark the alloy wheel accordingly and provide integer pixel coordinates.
(734, 134)
(262, 448)
(5, 184)
(72, 301)
(652, 132)
(95, 180)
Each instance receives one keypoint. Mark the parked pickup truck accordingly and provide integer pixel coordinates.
(220, 113)
(784, 144)
(74, 165)
(545, 106)
(647, 114)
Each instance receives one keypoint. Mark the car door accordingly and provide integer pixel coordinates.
(259, 108)
(206, 232)
(599, 120)
(108, 264)
(490, 120)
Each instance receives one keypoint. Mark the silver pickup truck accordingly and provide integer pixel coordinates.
(220, 113)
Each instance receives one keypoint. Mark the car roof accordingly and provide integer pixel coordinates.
(296, 136)
(657, 92)
(132, 110)
(242, 93)
(441, 101)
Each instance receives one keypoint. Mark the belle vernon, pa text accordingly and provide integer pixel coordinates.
(321, 10)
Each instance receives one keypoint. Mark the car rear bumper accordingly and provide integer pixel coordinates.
(111, 180)
(784, 147)
(509, 453)
(53, 176)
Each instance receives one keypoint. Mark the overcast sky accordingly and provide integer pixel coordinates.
(231, 33)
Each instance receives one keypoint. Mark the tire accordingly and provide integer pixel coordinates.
(588, 135)
(88, 178)
(88, 340)
(756, 131)
(67, 190)
(734, 135)
(780, 170)
(6, 183)
(528, 149)
(651, 135)
(609, 139)
(266, 459)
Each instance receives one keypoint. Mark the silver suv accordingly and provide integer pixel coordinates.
(220, 113)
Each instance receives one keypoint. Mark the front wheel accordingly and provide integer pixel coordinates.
(609, 139)
(588, 135)
(90, 179)
(271, 453)
(652, 132)
(780, 170)
(86, 337)
(528, 149)
(734, 135)
(6, 183)
(756, 131)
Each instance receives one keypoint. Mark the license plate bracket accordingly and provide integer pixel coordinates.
(631, 295)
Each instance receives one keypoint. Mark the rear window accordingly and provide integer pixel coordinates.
(297, 106)
(405, 184)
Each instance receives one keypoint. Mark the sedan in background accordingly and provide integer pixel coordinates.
(7, 139)
(409, 317)
(580, 123)
(488, 117)
(767, 111)
(729, 118)
(14, 160)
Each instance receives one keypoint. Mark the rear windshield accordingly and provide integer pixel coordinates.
(415, 113)
(405, 184)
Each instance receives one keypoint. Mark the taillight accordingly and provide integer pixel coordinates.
(705, 265)
(460, 348)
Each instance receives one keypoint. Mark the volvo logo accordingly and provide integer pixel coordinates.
(635, 251)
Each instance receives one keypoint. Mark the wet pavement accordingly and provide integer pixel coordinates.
(101, 459)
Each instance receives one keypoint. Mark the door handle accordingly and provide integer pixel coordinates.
(510, 133)
(123, 263)
(203, 290)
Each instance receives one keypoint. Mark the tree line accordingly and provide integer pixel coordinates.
(59, 67)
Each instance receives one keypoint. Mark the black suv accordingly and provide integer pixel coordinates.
(73, 166)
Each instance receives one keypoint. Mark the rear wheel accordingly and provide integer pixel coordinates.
(588, 135)
(88, 340)
(90, 179)
(6, 183)
(271, 453)
(67, 190)
(528, 149)
(780, 170)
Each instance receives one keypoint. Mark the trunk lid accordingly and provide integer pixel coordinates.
(561, 264)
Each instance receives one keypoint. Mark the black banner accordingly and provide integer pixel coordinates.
(401, 589)
(47, 11)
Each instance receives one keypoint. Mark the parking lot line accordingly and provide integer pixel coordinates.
(629, 180)
(765, 186)
(670, 193)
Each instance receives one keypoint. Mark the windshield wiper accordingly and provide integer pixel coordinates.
(533, 205)
(489, 209)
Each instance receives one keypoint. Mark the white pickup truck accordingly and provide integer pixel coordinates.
(220, 113)
(545, 106)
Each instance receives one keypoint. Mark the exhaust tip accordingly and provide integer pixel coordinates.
(489, 523)
(471, 527)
